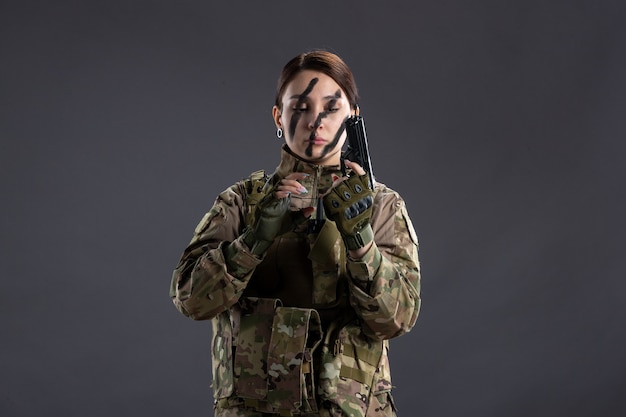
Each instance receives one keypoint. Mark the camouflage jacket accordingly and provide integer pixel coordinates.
(305, 326)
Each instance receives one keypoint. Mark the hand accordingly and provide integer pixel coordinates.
(349, 204)
(273, 217)
(291, 186)
(270, 214)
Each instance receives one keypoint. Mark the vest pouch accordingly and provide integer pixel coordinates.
(381, 402)
(222, 355)
(351, 363)
(253, 340)
(296, 332)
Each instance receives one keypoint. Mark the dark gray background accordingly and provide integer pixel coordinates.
(500, 122)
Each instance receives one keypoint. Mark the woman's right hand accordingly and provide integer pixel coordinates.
(291, 187)
(273, 214)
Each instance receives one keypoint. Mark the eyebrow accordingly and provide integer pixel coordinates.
(299, 96)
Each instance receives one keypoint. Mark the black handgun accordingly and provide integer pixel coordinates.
(357, 150)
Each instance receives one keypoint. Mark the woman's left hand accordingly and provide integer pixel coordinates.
(349, 204)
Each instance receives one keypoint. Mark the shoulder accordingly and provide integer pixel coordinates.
(386, 197)
(390, 214)
(241, 190)
(235, 202)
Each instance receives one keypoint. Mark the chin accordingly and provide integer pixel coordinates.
(320, 159)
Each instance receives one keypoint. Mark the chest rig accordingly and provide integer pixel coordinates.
(306, 266)
(292, 344)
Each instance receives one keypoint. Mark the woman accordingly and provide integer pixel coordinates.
(303, 297)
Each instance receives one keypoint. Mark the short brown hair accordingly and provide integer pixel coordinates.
(324, 62)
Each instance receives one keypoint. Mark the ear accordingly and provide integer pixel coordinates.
(356, 110)
(276, 114)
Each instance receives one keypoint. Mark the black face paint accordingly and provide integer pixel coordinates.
(309, 150)
(335, 140)
(295, 118)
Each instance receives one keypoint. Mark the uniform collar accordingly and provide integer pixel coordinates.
(319, 180)
(289, 163)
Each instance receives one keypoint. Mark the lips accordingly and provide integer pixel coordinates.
(317, 140)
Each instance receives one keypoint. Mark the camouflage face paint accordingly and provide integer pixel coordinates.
(318, 122)
(295, 118)
(309, 149)
(335, 141)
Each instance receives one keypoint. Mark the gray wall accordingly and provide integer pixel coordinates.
(500, 122)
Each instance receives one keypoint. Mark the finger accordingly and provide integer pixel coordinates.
(307, 211)
(291, 186)
(337, 180)
(355, 167)
(290, 183)
(296, 176)
(282, 194)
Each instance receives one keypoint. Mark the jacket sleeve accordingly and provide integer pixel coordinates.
(385, 283)
(202, 284)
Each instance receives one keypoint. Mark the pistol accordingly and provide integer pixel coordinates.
(357, 149)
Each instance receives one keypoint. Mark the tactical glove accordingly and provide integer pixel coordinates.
(349, 205)
(273, 218)
(268, 223)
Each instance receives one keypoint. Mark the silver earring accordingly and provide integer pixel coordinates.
(279, 133)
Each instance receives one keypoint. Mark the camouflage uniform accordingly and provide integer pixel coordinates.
(304, 330)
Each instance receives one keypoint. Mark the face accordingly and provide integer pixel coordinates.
(314, 109)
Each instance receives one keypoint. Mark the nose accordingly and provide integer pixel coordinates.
(315, 120)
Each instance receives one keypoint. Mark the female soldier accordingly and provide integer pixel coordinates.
(305, 273)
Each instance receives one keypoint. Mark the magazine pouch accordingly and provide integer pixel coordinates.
(296, 332)
(355, 373)
(253, 339)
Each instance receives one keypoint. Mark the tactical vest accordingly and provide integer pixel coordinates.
(288, 360)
